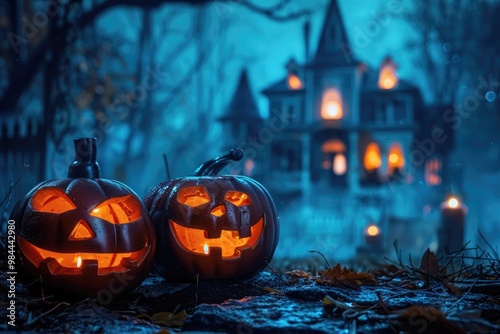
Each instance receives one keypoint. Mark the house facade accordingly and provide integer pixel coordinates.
(344, 147)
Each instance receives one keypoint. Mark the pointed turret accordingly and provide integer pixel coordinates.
(242, 106)
(333, 47)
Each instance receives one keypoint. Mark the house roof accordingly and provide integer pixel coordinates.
(333, 47)
(242, 105)
(370, 83)
(281, 87)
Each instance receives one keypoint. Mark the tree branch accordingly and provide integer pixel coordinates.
(25, 72)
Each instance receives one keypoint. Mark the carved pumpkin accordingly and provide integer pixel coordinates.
(217, 227)
(85, 234)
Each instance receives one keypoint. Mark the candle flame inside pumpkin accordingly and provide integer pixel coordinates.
(230, 242)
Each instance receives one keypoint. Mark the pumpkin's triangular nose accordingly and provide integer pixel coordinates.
(81, 231)
(218, 211)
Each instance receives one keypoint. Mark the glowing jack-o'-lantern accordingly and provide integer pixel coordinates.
(213, 226)
(85, 234)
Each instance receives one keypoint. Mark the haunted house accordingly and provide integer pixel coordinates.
(344, 145)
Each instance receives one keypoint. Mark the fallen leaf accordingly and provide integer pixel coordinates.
(337, 276)
(299, 274)
(330, 302)
(390, 268)
(429, 266)
(452, 289)
(427, 319)
(169, 319)
(380, 273)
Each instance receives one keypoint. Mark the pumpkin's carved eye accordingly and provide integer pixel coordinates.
(193, 196)
(52, 200)
(238, 198)
(119, 210)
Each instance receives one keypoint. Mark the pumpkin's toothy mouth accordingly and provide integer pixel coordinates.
(78, 263)
(229, 242)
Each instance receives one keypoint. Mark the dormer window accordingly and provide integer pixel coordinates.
(331, 105)
(388, 79)
(294, 81)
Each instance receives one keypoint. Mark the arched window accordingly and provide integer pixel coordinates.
(334, 156)
(339, 164)
(388, 78)
(372, 159)
(433, 171)
(396, 158)
(331, 105)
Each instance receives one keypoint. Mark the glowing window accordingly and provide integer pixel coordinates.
(396, 158)
(249, 167)
(388, 78)
(339, 164)
(433, 172)
(294, 82)
(333, 146)
(372, 159)
(331, 105)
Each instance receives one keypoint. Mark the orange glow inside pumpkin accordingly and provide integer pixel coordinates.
(118, 210)
(81, 231)
(73, 263)
(193, 196)
(195, 240)
(238, 198)
(372, 159)
(52, 200)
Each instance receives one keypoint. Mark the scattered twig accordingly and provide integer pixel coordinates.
(275, 273)
(167, 169)
(382, 303)
(489, 245)
(324, 258)
(32, 321)
(462, 297)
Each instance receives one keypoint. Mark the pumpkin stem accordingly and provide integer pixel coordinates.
(85, 164)
(214, 166)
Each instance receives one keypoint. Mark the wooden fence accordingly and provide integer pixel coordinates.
(22, 155)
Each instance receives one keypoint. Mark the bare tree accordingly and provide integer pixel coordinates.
(47, 54)
(457, 49)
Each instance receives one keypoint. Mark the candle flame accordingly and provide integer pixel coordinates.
(373, 230)
(79, 262)
(205, 248)
(453, 203)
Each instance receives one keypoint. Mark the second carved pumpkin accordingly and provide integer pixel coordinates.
(217, 227)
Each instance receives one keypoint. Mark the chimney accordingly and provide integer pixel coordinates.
(307, 29)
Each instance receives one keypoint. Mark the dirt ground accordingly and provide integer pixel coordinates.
(290, 296)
